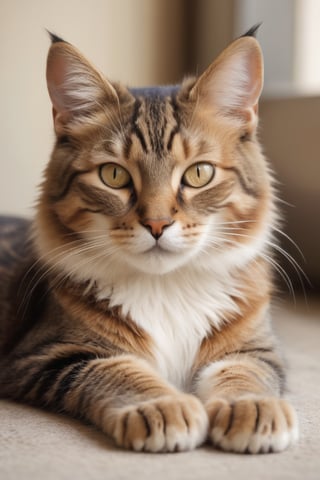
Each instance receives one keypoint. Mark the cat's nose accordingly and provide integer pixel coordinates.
(156, 226)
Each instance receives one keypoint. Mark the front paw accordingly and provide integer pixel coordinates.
(252, 425)
(167, 424)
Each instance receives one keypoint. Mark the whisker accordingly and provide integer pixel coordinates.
(60, 258)
(285, 277)
(281, 271)
(275, 247)
(291, 241)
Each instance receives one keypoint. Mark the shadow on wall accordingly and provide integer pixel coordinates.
(291, 138)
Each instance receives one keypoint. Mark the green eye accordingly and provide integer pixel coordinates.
(114, 175)
(198, 175)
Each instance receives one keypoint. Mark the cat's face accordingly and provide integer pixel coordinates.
(155, 178)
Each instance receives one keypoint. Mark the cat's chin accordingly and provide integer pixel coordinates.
(157, 261)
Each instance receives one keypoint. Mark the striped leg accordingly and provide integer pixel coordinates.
(121, 395)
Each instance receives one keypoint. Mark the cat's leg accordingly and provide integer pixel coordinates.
(122, 395)
(241, 394)
(147, 413)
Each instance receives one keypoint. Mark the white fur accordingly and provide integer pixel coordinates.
(176, 294)
(254, 443)
(169, 308)
(204, 385)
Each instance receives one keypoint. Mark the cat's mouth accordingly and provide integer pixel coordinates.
(159, 258)
(158, 249)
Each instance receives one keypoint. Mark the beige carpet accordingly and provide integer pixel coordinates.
(36, 445)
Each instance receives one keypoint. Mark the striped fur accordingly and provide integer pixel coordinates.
(140, 301)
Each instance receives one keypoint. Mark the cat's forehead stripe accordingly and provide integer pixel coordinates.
(176, 127)
(135, 128)
(155, 122)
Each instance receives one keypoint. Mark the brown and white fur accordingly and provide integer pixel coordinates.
(141, 300)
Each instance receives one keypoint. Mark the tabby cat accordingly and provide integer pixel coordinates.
(138, 299)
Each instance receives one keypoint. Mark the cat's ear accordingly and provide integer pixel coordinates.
(75, 87)
(232, 85)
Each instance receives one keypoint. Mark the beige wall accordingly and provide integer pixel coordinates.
(137, 41)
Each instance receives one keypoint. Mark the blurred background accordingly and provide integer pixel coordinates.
(143, 42)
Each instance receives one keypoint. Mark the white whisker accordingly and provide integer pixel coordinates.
(226, 232)
(58, 257)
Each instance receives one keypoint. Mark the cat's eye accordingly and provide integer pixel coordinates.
(114, 175)
(198, 175)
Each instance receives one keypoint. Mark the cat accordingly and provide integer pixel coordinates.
(139, 297)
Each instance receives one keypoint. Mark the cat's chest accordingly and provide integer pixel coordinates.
(177, 312)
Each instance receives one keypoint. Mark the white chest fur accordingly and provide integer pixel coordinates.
(177, 310)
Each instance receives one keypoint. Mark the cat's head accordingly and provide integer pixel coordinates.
(152, 179)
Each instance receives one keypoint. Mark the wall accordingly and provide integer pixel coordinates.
(212, 30)
(291, 138)
(276, 35)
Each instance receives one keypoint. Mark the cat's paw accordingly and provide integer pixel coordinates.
(167, 424)
(252, 425)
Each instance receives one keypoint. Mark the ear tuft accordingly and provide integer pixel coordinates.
(252, 31)
(54, 38)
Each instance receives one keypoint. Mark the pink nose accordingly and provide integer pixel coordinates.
(156, 226)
